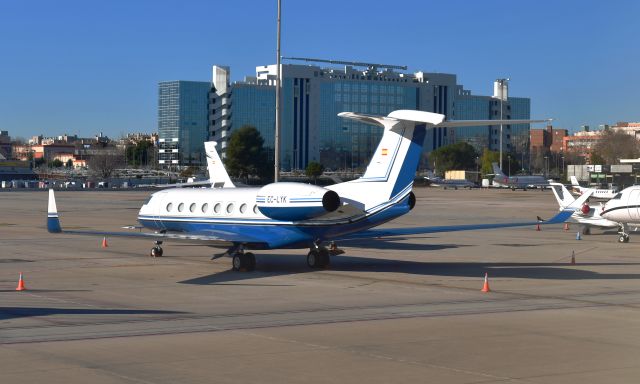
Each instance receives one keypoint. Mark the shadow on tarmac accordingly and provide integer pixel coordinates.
(282, 265)
(17, 312)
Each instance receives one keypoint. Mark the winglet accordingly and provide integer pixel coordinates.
(53, 222)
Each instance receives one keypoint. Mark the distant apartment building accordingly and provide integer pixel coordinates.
(313, 96)
(548, 139)
(182, 122)
(582, 143)
(630, 128)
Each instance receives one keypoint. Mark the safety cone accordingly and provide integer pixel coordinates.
(104, 242)
(538, 227)
(485, 287)
(566, 226)
(573, 257)
(578, 236)
(21, 286)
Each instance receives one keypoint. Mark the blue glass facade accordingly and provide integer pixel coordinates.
(182, 122)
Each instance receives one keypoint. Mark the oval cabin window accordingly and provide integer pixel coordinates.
(217, 208)
(230, 208)
(169, 207)
(205, 207)
(243, 208)
(192, 207)
(180, 207)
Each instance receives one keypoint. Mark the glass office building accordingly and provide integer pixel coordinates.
(182, 123)
(313, 96)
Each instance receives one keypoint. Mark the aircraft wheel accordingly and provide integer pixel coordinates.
(325, 258)
(156, 251)
(250, 260)
(623, 239)
(236, 262)
(586, 231)
(626, 238)
(313, 259)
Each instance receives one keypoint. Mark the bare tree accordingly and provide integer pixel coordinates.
(616, 145)
(103, 163)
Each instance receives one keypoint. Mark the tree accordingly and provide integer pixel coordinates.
(615, 145)
(314, 169)
(246, 155)
(488, 157)
(105, 162)
(460, 155)
(69, 163)
(138, 155)
(56, 163)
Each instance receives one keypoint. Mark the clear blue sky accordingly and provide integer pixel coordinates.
(89, 66)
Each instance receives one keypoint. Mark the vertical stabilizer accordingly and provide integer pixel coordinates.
(562, 195)
(218, 175)
(497, 171)
(53, 222)
(574, 181)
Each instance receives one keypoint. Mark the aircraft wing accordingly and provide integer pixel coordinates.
(390, 232)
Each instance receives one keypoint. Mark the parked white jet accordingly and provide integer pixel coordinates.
(624, 208)
(584, 215)
(297, 215)
(604, 194)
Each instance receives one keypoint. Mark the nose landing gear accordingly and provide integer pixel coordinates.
(157, 250)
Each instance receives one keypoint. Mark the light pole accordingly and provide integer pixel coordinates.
(563, 168)
(502, 83)
(546, 166)
(477, 168)
(276, 155)
(509, 160)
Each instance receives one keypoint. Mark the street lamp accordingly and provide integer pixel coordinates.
(563, 173)
(546, 166)
(477, 168)
(502, 83)
(509, 159)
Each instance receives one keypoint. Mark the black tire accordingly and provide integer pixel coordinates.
(622, 239)
(250, 260)
(325, 258)
(626, 239)
(313, 259)
(156, 252)
(586, 231)
(236, 262)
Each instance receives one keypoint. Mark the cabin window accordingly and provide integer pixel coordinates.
(192, 207)
(180, 207)
(619, 195)
(230, 208)
(255, 209)
(243, 208)
(205, 207)
(217, 208)
(169, 206)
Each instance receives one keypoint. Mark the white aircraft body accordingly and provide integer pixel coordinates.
(584, 215)
(448, 183)
(624, 208)
(298, 215)
(604, 194)
(516, 182)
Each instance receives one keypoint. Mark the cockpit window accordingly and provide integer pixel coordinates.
(617, 196)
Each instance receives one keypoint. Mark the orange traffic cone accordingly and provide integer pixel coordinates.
(485, 287)
(566, 226)
(537, 227)
(104, 242)
(573, 257)
(21, 286)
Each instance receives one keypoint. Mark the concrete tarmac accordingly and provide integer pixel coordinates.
(388, 310)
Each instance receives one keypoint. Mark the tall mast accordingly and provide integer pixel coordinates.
(276, 176)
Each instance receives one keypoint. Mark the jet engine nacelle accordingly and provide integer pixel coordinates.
(295, 201)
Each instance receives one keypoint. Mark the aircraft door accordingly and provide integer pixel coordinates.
(160, 210)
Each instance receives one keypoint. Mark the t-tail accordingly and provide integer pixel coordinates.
(390, 174)
(497, 171)
(562, 195)
(218, 175)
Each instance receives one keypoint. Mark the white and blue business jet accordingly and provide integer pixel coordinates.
(298, 215)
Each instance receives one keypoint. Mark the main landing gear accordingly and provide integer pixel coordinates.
(243, 261)
(156, 251)
(623, 234)
(320, 257)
